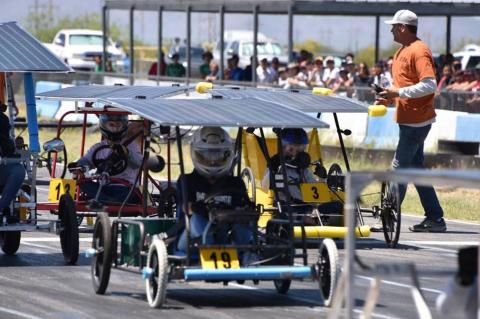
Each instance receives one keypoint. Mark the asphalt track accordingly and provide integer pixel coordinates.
(37, 284)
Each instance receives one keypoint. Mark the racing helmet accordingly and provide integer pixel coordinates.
(212, 151)
(113, 126)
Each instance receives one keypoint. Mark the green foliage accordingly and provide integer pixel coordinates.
(313, 46)
(43, 24)
(367, 55)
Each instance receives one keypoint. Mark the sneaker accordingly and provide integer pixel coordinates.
(377, 227)
(430, 226)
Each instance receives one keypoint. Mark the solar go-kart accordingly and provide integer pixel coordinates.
(258, 150)
(149, 244)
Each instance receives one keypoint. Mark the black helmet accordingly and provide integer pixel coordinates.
(113, 126)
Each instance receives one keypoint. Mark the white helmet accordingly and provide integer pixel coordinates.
(212, 151)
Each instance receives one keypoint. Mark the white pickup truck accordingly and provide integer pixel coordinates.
(78, 48)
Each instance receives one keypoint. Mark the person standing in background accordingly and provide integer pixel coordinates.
(413, 89)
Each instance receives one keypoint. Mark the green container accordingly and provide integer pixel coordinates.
(130, 235)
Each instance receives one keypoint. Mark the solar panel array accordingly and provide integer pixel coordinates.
(21, 52)
(301, 100)
(217, 112)
(94, 92)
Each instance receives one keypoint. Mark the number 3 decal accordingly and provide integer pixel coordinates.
(315, 192)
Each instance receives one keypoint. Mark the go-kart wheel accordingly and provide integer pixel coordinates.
(334, 180)
(282, 285)
(68, 229)
(61, 163)
(167, 205)
(327, 270)
(249, 180)
(102, 261)
(10, 242)
(156, 285)
(277, 234)
(390, 213)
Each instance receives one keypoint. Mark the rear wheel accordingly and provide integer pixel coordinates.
(327, 270)
(102, 261)
(60, 165)
(68, 229)
(278, 234)
(168, 203)
(10, 242)
(390, 213)
(156, 284)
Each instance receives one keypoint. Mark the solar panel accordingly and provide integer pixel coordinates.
(217, 112)
(92, 93)
(301, 100)
(21, 52)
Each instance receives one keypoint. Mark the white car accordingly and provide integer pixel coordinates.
(469, 56)
(240, 42)
(78, 48)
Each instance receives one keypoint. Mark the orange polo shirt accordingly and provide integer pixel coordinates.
(411, 64)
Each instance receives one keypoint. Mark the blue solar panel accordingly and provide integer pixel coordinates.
(217, 112)
(21, 52)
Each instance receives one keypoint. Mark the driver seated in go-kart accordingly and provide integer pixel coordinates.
(119, 158)
(297, 162)
(211, 184)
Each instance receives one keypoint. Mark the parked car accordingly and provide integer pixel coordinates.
(469, 56)
(240, 42)
(79, 47)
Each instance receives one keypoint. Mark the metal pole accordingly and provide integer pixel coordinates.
(132, 49)
(222, 41)
(290, 33)
(377, 38)
(105, 37)
(189, 42)
(255, 42)
(160, 44)
(449, 34)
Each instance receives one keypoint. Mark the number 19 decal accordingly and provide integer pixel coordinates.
(219, 258)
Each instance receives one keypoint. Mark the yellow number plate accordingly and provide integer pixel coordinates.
(219, 258)
(59, 186)
(315, 192)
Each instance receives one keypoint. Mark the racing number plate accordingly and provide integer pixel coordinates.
(315, 192)
(59, 186)
(219, 258)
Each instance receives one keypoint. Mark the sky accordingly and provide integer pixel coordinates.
(343, 34)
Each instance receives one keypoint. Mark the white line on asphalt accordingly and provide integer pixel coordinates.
(50, 239)
(18, 313)
(397, 284)
(441, 243)
(374, 315)
(40, 246)
(448, 220)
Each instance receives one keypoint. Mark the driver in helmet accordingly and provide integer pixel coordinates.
(297, 162)
(114, 129)
(212, 153)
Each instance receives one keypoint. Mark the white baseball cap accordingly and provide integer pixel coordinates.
(404, 17)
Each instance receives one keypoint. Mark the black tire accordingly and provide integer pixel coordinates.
(249, 180)
(390, 213)
(328, 270)
(102, 261)
(168, 203)
(156, 285)
(68, 229)
(278, 234)
(10, 242)
(63, 163)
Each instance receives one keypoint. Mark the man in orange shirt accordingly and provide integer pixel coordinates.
(413, 90)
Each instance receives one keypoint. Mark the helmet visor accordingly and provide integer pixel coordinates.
(212, 158)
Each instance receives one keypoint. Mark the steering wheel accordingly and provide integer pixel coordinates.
(113, 164)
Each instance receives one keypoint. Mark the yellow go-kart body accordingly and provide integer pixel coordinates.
(315, 193)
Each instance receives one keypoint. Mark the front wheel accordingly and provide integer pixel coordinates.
(68, 229)
(327, 270)
(10, 242)
(102, 261)
(390, 213)
(156, 284)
